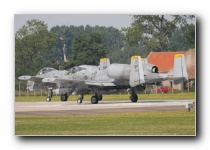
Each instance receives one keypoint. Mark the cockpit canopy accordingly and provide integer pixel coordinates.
(75, 69)
(45, 70)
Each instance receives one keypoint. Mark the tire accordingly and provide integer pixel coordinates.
(94, 100)
(79, 100)
(134, 98)
(48, 99)
(64, 97)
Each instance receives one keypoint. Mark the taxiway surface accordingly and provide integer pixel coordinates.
(66, 108)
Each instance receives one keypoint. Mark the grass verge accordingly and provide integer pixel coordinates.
(139, 123)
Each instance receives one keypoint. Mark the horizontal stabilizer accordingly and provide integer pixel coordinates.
(144, 60)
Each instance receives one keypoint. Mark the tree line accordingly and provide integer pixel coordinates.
(37, 47)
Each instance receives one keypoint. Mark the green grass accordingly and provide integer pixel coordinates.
(139, 123)
(185, 95)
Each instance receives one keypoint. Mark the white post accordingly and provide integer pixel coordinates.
(155, 88)
(19, 88)
(172, 85)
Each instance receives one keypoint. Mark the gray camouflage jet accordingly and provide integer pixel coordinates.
(35, 82)
(105, 79)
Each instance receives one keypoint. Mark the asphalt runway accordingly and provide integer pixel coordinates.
(67, 108)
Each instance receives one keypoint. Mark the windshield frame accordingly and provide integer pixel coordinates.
(46, 70)
(75, 69)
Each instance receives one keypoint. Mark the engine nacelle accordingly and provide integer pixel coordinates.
(119, 71)
(150, 68)
(122, 71)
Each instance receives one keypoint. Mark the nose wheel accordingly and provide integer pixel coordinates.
(49, 95)
(79, 100)
(48, 99)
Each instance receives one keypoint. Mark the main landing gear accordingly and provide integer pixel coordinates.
(64, 97)
(95, 98)
(134, 96)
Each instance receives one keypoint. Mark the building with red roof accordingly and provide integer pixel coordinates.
(165, 63)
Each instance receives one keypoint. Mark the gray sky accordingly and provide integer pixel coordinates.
(117, 21)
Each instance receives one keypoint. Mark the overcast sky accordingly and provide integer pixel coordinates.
(117, 21)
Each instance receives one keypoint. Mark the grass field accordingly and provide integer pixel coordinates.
(140, 123)
(185, 95)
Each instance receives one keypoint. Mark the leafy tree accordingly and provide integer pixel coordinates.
(154, 31)
(33, 43)
(110, 36)
(124, 55)
(87, 49)
(183, 38)
(64, 39)
(190, 35)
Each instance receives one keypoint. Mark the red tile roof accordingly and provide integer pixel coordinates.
(165, 61)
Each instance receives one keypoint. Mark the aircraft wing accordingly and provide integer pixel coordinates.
(93, 83)
(30, 78)
(98, 83)
(60, 80)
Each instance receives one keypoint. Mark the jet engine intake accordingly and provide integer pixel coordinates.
(154, 69)
(150, 68)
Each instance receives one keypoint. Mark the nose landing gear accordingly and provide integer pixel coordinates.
(49, 95)
(79, 100)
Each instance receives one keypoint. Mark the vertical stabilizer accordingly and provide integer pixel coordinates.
(136, 72)
(180, 69)
(104, 64)
(144, 60)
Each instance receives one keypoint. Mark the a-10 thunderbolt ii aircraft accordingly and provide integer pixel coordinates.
(35, 82)
(104, 79)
